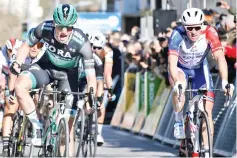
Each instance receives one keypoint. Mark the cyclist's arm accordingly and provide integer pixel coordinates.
(33, 37)
(11, 81)
(89, 66)
(99, 75)
(222, 65)
(174, 43)
(172, 66)
(108, 67)
(12, 77)
(217, 52)
(100, 88)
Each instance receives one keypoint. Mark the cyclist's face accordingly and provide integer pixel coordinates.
(96, 49)
(99, 51)
(193, 32)
(34, 51)
(63, 33)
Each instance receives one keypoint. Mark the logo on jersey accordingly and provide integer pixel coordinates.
(194, 49)
(78, 35)
(59, 52)
(72, 50)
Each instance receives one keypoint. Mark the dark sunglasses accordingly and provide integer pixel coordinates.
(196, 28)
(99, 48)
(61, 27)
(39, 45)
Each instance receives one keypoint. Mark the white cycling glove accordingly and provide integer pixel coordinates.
(176, 87)
(224, 83)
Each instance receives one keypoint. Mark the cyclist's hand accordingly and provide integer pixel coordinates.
(176, 87)
(100, 105)
(110, 94)
(225, 86)
(12, 99)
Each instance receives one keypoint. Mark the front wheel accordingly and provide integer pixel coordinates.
(205, 131)
(186, 146)
(89, 144)
(16, 126)
(79, 129)
(47, 146)
(62, 140)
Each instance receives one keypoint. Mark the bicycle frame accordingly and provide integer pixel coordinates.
(23, 126)
(55, 116)
(192, 121)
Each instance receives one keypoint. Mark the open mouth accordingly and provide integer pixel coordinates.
(63, 37)
(193, 36)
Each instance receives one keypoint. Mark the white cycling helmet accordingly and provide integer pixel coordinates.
(192, 16)
(99, 40)
(89, 36)
(13, 43)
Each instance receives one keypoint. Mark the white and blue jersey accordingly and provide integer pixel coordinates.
(192, 55)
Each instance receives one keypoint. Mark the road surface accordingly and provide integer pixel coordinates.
(121, 143)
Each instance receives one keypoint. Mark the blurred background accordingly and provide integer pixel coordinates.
(18, 16)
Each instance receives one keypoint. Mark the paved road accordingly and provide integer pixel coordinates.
(120, 143)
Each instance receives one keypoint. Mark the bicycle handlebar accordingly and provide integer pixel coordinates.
(203, 90)
(81, 94)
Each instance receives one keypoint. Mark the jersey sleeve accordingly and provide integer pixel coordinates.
(88, 59)
(99, 68)
(35, 35)
(213, 39)
(174, 43)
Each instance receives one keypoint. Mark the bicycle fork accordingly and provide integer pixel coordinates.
(189, 145)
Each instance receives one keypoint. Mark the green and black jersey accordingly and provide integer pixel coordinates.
(64, 55)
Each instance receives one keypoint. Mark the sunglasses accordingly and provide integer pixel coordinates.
(39, 45)
(60, 27)
(99, 48)
(190, 28)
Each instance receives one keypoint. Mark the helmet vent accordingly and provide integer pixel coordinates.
(184, 18)
(188, 14)
(196, 12)
(59, 16)
(201, 17)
